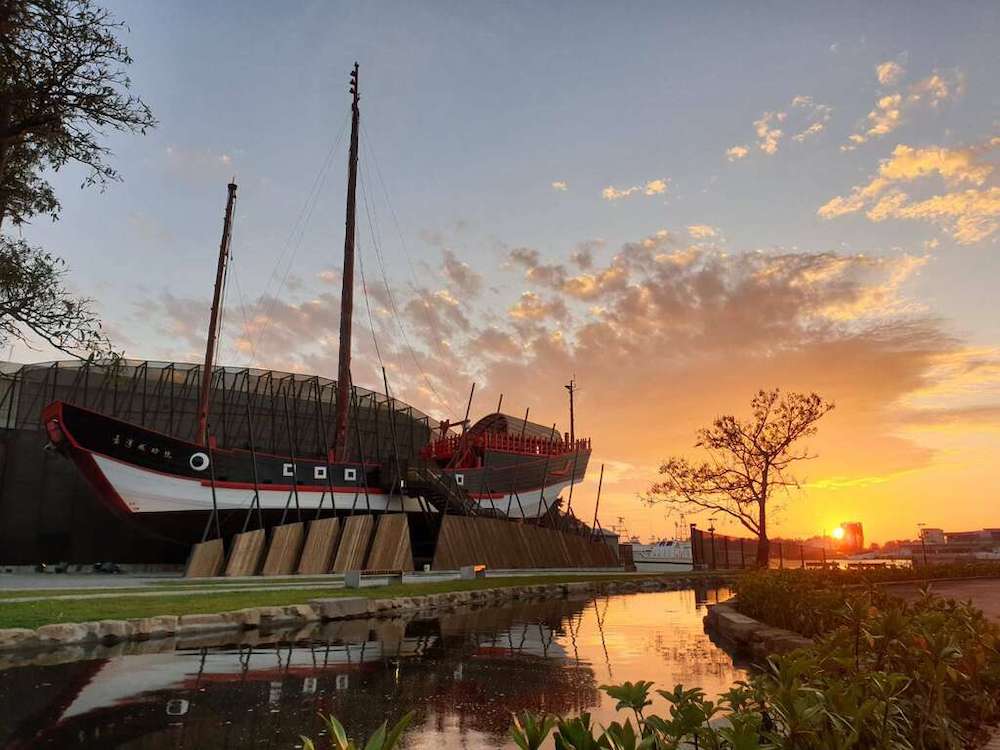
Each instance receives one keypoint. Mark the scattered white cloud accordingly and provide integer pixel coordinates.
(330, 276)
(890, 110)
(656, 187)
(768, 135)
(460, 275)
(560, 185)
(653, 187)
(531, 307)
(889, 73)
(804, 118)
(702, 231)
(198, 162)
(969, 209)
(735, 153)
(816, 116)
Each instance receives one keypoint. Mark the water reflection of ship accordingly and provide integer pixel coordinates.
(227, 698)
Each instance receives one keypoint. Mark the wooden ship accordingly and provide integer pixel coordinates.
(460, 493)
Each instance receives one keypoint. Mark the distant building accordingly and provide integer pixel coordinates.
(854, 536)
(937, 546)
(932, 536)
(983, 536)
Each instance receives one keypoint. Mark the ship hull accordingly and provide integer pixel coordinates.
(662, 558)
(148, 475)
(662, 566)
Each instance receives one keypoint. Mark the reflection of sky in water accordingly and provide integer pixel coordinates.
(656, 637)
(462, 672)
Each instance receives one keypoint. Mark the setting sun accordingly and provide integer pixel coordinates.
(837, 533)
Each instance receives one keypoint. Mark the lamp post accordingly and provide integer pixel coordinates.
(923, 541)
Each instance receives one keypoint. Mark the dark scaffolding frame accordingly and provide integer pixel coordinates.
(162, 396)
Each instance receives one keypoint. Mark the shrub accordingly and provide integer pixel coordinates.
(930, 669)
(883, 674)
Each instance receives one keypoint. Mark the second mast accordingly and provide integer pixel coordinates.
(347, 293)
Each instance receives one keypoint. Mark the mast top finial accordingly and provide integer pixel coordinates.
(354, 84)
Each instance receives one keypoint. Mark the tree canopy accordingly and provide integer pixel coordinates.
(748, 460)
(63, 88)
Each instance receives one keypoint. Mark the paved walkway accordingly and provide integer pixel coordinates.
(162, 592)
(83, 580)
(984, 593)
(46, 587)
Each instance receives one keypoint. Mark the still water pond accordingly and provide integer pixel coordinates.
(463, 673)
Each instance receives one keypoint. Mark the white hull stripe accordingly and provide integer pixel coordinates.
(151, 492)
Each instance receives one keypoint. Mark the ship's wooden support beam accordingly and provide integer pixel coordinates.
(246, 553)
(391, 548)
(206, 560)
(355, 539)
(321, 543)
(284, 551)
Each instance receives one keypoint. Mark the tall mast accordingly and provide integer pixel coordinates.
(213, 322)
(347, 293)
(571, 387)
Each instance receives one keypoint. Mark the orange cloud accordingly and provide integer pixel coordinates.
(805, 116)
(653, 187)
(735, 153)
(890, 109)
(533, 308)
(970, 215)
(702, 231)
(889, 73)
(663, 336)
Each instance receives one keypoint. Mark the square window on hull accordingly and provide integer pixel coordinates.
(350, 475)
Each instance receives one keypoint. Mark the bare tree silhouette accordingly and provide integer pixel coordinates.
(748, 460)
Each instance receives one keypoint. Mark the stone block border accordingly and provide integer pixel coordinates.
(749, 636)
(109, 632)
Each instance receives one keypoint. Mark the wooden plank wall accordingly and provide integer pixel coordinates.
(464, 540)
(206, 560)
(321, 541)
(354, 542)
(245, 553)
(283, 552)
(391, 549)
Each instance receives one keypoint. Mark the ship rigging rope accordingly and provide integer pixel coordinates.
(368, 306)
(373, 227)
(293, 242)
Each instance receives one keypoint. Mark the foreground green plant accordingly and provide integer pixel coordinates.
(383, 739)
(922, 674)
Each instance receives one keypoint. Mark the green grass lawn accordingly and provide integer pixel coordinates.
(34, 614)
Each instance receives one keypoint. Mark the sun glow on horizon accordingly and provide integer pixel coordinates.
(837, 533)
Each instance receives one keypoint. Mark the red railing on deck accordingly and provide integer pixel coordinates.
(446, 447)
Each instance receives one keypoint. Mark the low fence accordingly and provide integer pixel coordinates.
(711, 551)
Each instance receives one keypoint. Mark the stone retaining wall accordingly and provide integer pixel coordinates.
(109, 632)
(748, 636)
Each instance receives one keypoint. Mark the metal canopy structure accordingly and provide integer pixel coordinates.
(163, 396)
(48, 513)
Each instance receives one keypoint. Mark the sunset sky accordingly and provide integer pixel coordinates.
(678, 204)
